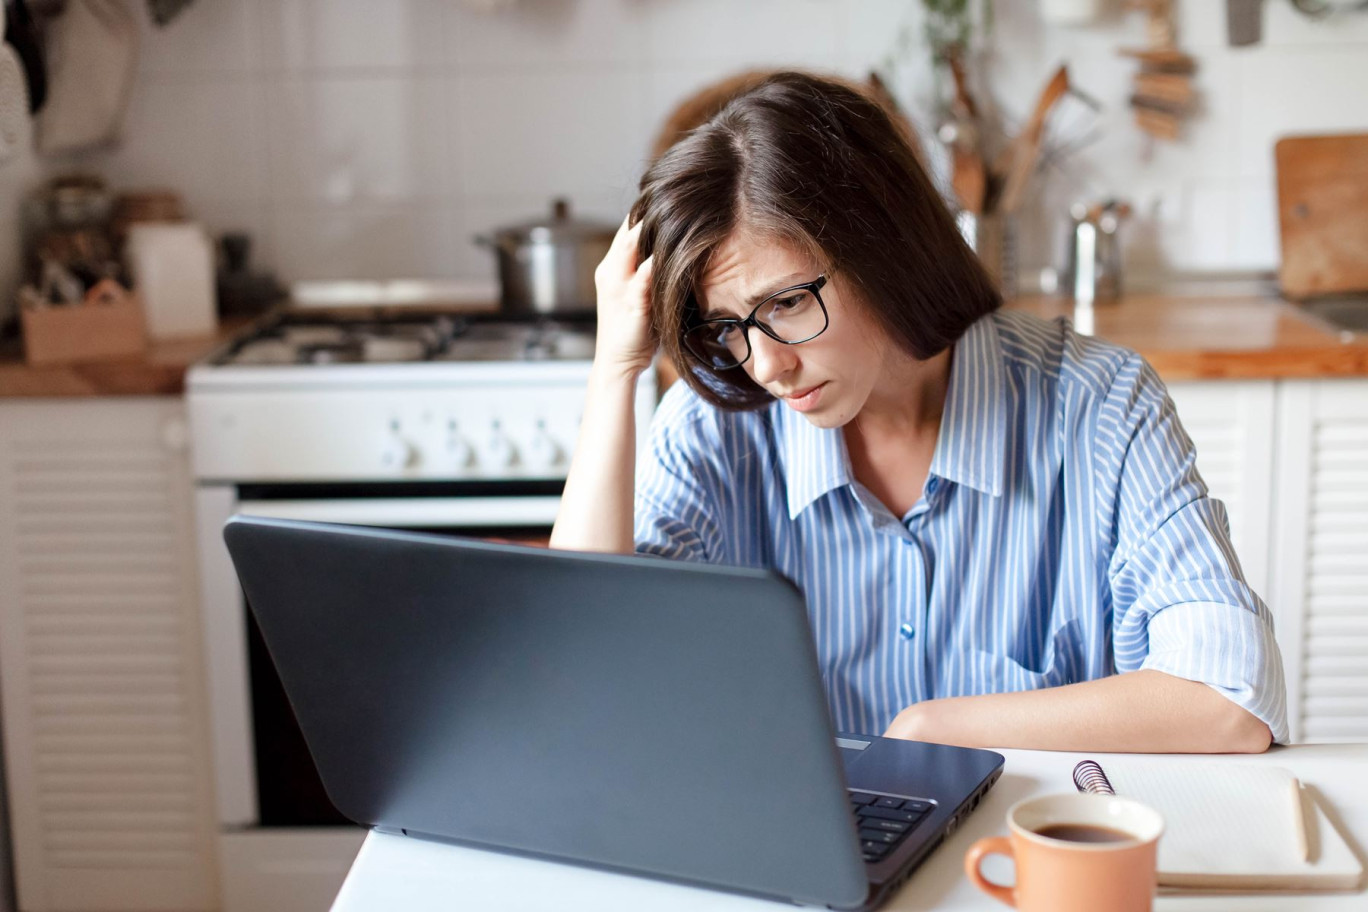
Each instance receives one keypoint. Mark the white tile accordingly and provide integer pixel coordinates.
(751, 34)
(1205, 241)
(362, 242)
(251, 218)
(1285, 92)
(203, 38)
(202, 140)
(470, 259)
(1178, 225)
(880, 32)
(542, 34)
(1284, 26)
(548, 134)
(344, 139)
(1206, 146)
(668, 86)
(341, 34)
(1256, 243)
(1202, 25)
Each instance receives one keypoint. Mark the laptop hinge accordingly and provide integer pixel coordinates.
(390, 831)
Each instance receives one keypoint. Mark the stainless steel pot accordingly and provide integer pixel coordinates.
(547, 266)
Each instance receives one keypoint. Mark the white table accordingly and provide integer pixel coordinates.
(393, 872)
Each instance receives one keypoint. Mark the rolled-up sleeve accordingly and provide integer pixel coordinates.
(1180, 601)
(676, 506)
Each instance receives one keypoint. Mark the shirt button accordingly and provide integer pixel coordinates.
(907, 631)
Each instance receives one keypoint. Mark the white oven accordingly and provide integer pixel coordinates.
(476, 449)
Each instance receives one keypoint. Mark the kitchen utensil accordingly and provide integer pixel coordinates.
(173, 267)
(1323, 214)
(240, 290)
(547, 266)
(1018, 159)
(1074, 124)
(967, 174)
(1244, 22)
(1092, 271)
(992, 236)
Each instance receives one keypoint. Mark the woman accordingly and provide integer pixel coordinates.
(990, 515)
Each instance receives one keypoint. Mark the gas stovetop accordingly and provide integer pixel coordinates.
(378, 336)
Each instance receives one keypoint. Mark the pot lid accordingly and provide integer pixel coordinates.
(560, 228)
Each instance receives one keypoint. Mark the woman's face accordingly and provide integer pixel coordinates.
(828, 379)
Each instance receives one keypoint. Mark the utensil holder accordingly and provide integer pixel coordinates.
(103, 328)
(993, 237)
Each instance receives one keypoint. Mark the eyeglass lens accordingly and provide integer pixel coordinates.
(794, 316)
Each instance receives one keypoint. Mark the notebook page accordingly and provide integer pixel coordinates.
(1234, 825)
(1227, 817)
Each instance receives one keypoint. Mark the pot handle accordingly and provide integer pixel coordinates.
(493, 243)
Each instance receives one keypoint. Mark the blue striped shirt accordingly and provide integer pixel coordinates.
(1063, 533)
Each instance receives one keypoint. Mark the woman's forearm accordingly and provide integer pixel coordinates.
(596, 508)
(1137, 712)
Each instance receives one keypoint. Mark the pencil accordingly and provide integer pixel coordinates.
(1299, 818)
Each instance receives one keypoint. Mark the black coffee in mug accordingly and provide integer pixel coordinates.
(1083, 832)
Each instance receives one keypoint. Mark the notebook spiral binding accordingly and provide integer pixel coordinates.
(1088, 777)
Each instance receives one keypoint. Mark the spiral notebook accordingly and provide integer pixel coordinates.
(1234, 826)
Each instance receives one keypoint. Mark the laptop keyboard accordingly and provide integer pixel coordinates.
(884, 821)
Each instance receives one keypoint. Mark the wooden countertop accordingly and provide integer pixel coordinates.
(1185, 338)
(159, 371)
(1219, 338)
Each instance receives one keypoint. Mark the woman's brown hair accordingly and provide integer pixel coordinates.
(817, 164)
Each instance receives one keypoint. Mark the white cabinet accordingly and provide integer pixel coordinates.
(105, 727)
(1320, 579)
(1290, 459)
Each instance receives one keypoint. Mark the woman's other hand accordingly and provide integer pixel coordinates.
(625, 342)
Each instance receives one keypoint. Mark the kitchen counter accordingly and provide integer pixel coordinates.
(1185, 337)
(1204, 337)
(158, 371)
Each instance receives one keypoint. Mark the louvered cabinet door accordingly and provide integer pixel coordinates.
(1321, 545)
(1231, 425)
(103, 703)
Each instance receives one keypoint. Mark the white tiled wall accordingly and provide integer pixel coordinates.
(364, 138)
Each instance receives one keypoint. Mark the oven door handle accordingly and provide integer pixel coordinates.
(400, 512)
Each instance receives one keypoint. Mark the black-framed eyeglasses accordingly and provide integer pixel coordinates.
(793, 315)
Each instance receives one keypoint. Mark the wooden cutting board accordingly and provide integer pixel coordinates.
(1323, 214)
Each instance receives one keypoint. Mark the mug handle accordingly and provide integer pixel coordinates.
(993, 845)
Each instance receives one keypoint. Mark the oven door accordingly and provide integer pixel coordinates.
(264, 775)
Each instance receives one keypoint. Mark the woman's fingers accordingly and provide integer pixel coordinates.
(622, 252)
(640, 284)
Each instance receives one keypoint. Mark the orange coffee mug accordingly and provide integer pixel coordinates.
(1075, 853)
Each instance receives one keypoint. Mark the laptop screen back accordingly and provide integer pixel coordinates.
(648, 715)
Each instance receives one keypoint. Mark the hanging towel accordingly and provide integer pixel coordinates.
(15, 130)
(93, 56)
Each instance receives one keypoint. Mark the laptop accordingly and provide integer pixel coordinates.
(656, 717)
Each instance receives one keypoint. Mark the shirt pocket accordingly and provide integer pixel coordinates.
(1000, 673)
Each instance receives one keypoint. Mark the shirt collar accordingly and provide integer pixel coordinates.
(815, 459)
(971, 448)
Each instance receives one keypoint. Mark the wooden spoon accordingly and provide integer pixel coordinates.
(1018, 160)
(967, 175)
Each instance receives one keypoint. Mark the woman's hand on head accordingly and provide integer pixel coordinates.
(625, 340)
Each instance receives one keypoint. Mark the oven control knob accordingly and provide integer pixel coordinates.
(543, 451)
(499, 450)
(398, 453)
(460, 454)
